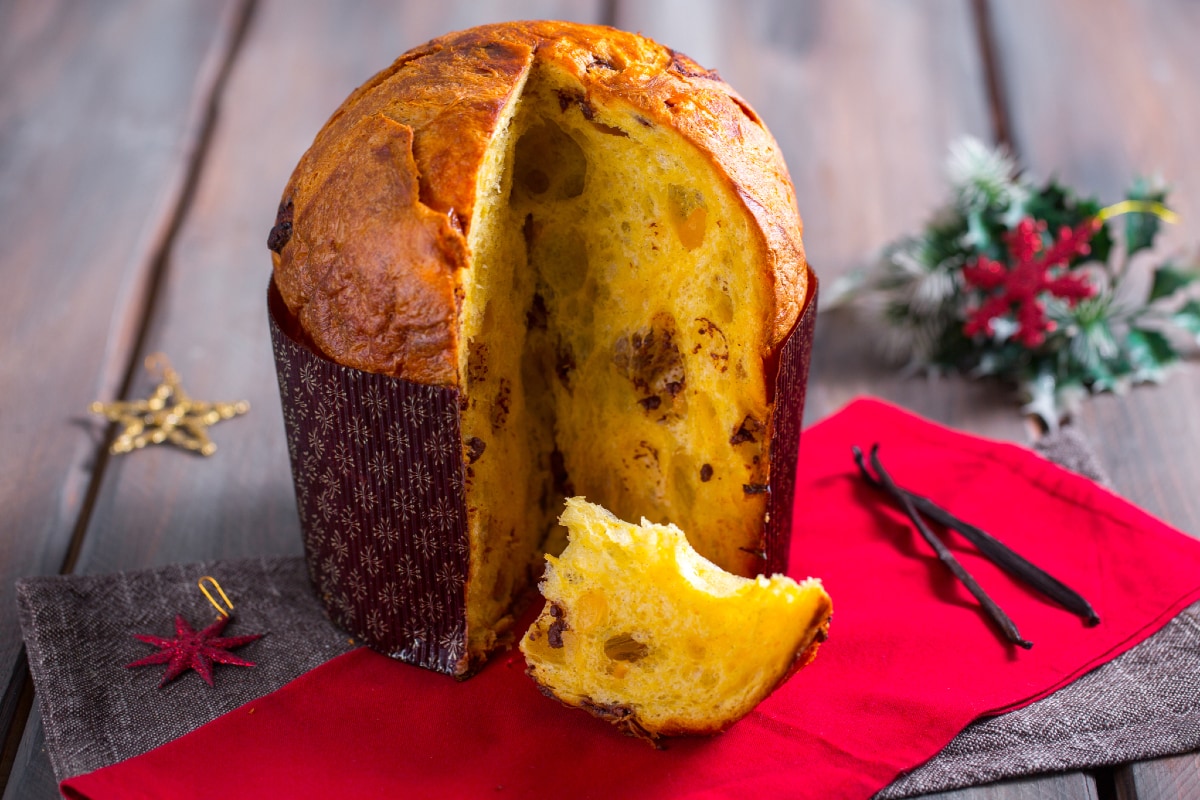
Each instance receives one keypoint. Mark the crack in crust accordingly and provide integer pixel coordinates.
(384, 199)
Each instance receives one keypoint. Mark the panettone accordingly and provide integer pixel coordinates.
(592, 241)
(642, 631)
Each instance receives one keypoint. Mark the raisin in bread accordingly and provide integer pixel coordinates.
(643, 631)
(591, 238)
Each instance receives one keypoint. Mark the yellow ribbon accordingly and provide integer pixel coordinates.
(1139, 207)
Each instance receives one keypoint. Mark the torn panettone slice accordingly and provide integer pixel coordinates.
(642, 631)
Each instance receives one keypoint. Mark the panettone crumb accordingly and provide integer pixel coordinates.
(613, 323)
(637, 620)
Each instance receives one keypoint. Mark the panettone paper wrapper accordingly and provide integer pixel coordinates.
(791, 383)
(379, 470)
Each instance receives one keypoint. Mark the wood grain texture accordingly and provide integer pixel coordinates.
(1124, 101)
(162, 505)
(1113, 113)
(1176, 778)
(31, 776)
(863, 99)
(295, 66)
(100, 110)
(1073, 786)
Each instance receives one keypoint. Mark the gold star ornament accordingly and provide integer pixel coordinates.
(168, 415)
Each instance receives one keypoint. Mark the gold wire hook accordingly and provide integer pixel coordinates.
(220, 591)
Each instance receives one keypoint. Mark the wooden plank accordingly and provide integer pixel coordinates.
(1112, 113)
(864, 99)
(295, 65)
(1073, 786)
(162, 506)
(32, 765)
(100, 112)
(1124, 101)
(1173, 778)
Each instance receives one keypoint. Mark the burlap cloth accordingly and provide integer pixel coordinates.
(78, 633)
(79, 637)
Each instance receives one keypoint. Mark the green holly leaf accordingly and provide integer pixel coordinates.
(1043, 399)
(1110, 375)
(980, 235)
(1059, 206)
(1101, 247)
(1188, 318)
(1141, 227)
(1094, 344)
(1169, 279)
(1018, 206)
(1097, 345)
(1052, 198)
(941, 245)
(1150, 353)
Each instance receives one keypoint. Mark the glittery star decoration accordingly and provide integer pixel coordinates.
(192, 650)
(168, 415)
(1021, 286)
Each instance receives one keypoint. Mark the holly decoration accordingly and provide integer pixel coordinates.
(1022, 285)
(190, 649)
(1026, 283)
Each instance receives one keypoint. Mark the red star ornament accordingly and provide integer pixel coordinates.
(1020, 286)
(192, 650)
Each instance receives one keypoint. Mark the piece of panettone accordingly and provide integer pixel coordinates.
(592, 244)
(642, 631)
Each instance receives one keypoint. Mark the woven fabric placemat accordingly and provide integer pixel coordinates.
(79, 635)
(1143, 704)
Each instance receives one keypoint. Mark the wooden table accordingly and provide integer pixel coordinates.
(144, 145)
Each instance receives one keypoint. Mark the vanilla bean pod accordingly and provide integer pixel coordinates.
(1001, 555)
(1014, 564)
(943, 553)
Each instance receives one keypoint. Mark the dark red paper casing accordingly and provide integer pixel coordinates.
(378, 465)
(791, 384)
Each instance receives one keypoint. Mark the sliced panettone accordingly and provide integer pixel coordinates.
(595, 243)
(644, 632)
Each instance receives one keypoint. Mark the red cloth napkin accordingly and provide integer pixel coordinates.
(910, 661)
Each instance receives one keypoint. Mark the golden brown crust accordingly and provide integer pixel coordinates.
(372, 259)
(381, 299)
(804, 656)
(626, 719)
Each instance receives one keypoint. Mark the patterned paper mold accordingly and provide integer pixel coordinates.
(378, 467)
(791, 383)
(378, 472)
